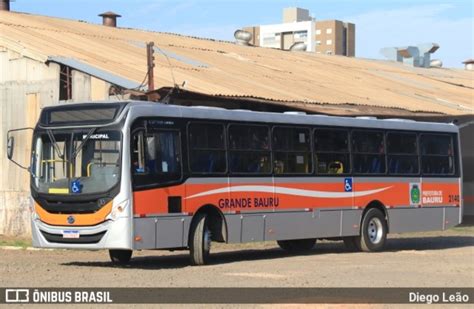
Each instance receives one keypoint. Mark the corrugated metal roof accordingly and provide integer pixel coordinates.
(239, 71)
(166, 53)
(84, 67)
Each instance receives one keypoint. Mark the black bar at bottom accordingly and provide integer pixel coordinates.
(246, 295)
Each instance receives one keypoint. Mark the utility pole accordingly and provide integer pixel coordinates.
(150, 59)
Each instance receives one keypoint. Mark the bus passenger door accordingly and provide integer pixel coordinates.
(158, 190)
(157, 171)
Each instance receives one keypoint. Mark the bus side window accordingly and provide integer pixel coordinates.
(437, 154)
(332, 151)
(292, 150)
(249, 149)
(207, 148)
(156, 157)
(163, 153)
(402, 151)
(368, 152)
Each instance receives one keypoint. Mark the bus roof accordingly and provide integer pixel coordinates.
(141, 109)
(137, 109)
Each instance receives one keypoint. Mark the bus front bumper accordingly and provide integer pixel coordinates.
(106, 235)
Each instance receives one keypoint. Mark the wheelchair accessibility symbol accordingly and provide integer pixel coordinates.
(348, 184)
(76, 186)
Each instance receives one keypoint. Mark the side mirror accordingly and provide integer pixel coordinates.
(10, 147)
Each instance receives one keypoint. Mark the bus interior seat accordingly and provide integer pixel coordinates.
(394, 166)
(211, 162)
(204, 163)
(363, 166)
(151, 166)
(233, 162)
(254, 167)
(357, 167)
(335, 167)
(376, 165)
(279, 167)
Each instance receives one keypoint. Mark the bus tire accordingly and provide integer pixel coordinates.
(373, 232)
(350, 243)
(297, 245)
(200, 241)
(120, 257)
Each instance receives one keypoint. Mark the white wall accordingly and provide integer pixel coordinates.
(26, 85)
(86, 87)
(308, 26)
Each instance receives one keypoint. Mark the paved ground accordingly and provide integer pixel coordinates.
(440, 259)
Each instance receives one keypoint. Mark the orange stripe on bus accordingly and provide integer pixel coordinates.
(287, 196)
(80, 219)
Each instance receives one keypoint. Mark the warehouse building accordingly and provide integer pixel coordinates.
(46, 61)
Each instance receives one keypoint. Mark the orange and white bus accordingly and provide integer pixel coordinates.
(132, 175)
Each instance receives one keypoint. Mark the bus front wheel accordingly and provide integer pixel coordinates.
(120, 257)
(200, 241)
(373, 231)
(297, 245)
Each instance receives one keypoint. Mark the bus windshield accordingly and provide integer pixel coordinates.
(75, 161)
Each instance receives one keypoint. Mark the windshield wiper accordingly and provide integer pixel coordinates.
(81, 145)
(55, 143)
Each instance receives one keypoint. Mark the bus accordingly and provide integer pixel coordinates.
(135, 175)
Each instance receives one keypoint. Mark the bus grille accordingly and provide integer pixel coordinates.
(70, 207)
(83, 239)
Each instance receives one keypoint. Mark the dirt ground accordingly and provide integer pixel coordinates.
(434, 259)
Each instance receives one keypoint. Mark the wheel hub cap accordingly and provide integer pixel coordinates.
(375, 230)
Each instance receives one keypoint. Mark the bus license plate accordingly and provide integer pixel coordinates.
(70, 234)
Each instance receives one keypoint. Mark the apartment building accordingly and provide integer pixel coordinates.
(332, 37)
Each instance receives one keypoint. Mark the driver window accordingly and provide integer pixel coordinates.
(156, 157)
(162, 153)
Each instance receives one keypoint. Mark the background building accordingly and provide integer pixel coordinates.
(469, 64)
(416, 56)
(331, 37)
(334, 37)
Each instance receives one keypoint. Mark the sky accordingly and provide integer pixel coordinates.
(378, 23)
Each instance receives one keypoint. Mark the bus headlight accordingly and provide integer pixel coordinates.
(32, 211)
(119, 210)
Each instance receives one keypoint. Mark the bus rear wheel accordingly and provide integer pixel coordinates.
(120, 257)
(297, 245)
(200, 241)
(373, 233)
